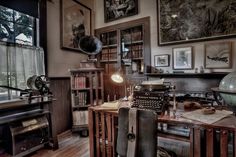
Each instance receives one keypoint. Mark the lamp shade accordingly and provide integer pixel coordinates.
(117, 77)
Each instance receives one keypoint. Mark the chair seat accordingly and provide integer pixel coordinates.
(162, 152)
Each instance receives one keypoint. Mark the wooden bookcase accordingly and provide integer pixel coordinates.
(127, 46)
(86, 90)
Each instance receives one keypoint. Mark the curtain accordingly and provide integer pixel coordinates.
(17, 64)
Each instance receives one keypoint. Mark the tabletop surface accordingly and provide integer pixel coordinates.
(228, 122)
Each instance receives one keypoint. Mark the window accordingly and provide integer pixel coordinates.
(18, 61)
(16, 27)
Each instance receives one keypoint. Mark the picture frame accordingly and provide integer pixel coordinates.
(182, 58)
(117, 9)
(218, 55)
(161, 60)
(184, 22)
(75, 23)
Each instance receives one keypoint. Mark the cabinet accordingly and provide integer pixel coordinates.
(126, 46)
(27, 125)
(86, 90)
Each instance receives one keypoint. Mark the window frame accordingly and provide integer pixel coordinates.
(35, 28)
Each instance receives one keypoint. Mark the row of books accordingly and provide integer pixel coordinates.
(80, 117)
(109, 56)
(79, 99)
(79, 82)
(135, 36)
(108, 39)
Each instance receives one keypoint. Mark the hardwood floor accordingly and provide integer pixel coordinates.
(70, 145)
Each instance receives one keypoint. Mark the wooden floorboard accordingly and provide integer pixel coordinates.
(70, 145)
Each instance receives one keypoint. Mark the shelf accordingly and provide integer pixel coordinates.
(80, 127)
(85, 70)
(134, 42)
(80, 89)
(137, 58)
(109, 46)
(22, 115)
(188, 75)
(110, 60)
(78, 107)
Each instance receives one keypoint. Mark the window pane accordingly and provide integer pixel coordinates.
(3, 72)
(24, 35)
(24, 19)
(6, 13)
(6, 31)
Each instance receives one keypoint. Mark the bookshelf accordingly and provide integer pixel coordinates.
(86, 90)
(127, 46)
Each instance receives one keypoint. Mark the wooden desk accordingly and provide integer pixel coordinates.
(205, 140)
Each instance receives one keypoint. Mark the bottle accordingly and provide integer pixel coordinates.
(108, 98)
(201, 69)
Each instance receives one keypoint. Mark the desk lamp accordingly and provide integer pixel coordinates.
(118, 77)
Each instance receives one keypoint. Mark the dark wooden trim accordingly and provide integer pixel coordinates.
(188, 75)
(43, 31)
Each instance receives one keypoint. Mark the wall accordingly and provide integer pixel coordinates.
(59, 61)
(149, 8)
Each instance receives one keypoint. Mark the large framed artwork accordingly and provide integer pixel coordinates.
(182, 58)
(117, 9)
(218, 55)
(75, 23)
(182, 21)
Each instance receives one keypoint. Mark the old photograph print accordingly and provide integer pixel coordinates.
(218, 55)
(185, 20)
(161, 60)
(75, 23)
(182, 58)
(116, 9)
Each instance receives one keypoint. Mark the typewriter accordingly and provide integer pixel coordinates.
(152, 95)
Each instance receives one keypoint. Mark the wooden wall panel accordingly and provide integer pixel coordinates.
(60, 88)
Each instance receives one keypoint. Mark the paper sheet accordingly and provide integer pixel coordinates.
(207, 118)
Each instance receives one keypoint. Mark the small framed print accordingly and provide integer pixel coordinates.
(161, 60)
(182, 58)
(218, 55)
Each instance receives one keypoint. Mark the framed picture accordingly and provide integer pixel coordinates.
(161, 60)
(182, 22)
(75, 23)
(182, 58)
(117, 9)
(218, 55)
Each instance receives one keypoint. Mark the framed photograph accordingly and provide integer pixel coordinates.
(117, 9)
(218, 55)
(161, 60)
(75, 23)
(182, 22)
(182, 58)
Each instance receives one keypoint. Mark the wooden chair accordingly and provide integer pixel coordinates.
(137, 133)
